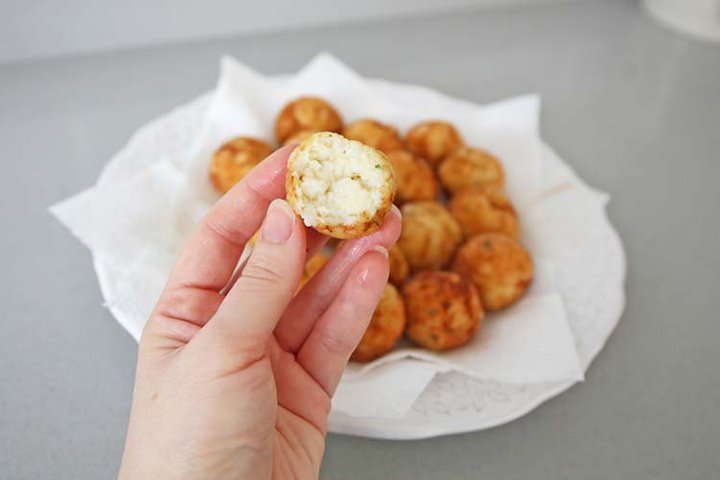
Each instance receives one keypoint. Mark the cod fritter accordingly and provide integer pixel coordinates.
(443, 310)
(498, 265)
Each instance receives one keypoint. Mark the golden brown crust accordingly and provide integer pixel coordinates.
(443, 310)
(399, 268)
(484, 210)
(416, 179)
(470, 167)
(367, 224)
(358, 229)
(312, 266)
(385, 328)
(298, 137)
(433, 140)
(306, 113)
(430, 235)
(498, 265)
(234, 159)
(374, 134)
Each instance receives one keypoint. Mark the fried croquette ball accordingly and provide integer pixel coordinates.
(470, 167)
(416, 179)
(498, 265)
(430, 235)
(312, 266)
(374, 134)
(234, 159)
(433, 140)
(306, 113)
(399, 268)
(484, 210)
(298, 137)
(443, 310)
(339, 187)
(385, 328)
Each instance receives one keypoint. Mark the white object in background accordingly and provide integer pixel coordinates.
(697, 18)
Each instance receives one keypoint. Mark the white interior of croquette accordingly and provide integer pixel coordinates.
(338, 180)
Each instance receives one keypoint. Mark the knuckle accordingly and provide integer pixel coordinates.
(227, 233)
(261, 273)
(189, 304)
(339, 345)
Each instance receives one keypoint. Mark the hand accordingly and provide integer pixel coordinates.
(238, 384)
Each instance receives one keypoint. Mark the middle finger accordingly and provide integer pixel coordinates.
(312, 301)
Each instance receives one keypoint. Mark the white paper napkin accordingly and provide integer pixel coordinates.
(139, 224)
(381, 392)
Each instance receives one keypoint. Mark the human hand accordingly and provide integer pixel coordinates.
(234, 377)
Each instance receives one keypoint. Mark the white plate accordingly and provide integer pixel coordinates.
(590, 276)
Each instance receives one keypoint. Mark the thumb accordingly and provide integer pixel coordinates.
(247, 317)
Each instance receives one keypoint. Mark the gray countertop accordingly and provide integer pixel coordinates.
(633, 108)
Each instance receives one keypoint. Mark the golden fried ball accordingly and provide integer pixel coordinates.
(385, 328)
(470, 167)
(374, 134)
(430, 235)
(306, 113)
(399, 268)
(416, 179)
(298, 137)
(484, 210)
(443, 310)
(433, 140)
(234, 159)
(312, 266)
(498, 265)
(340, 187)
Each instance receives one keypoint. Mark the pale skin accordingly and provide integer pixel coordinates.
(235, 372)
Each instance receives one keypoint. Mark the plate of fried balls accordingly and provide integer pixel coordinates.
(471, 331)
(458, 257)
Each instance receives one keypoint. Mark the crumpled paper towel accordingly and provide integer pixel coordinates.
(139, 223)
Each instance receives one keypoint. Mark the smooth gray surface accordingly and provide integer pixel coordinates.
(633, 108)
(31, 29)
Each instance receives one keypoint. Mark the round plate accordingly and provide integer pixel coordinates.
(593, 294)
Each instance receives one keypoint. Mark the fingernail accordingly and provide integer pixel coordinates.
(397, 211)
(381, 250)
(278, 223)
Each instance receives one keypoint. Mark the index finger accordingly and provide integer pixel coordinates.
(211, 255)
